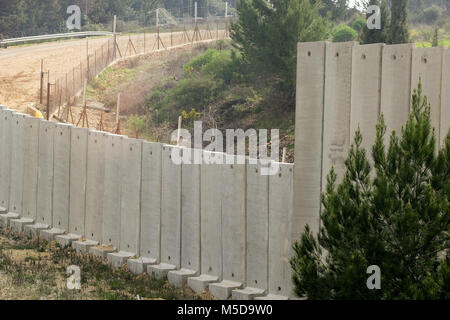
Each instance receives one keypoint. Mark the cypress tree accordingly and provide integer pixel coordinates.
(399, 31)
(377, 35)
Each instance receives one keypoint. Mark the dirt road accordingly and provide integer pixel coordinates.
(20, 66)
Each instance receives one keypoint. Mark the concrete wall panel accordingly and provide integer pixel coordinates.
(30, 167)
(308, 134)
(170, 209)
(427, 67)
(190, 212)
(112, 190)
(257, 227)
(396, 86)
(151, 200)
(17, 157)
(94, 185)
(61, 177)
(280, 215)
(336, 127)
(211, 219)
(366, 89)
(130, 195)
(45, 173)
(233, 222)
(78, 166)
(445, 96)
(5, 157)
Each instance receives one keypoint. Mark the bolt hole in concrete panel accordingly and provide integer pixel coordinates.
(5, 153)
(130, 195)
(45, 172)
(211, 217)
(61, 177)
(171, 208)
(430, 73)
(17, 161)
(233, 218)
(257, 226)
(395, 86)
(365, 93)
(78, 163)
(112, 190)
(280, 214)
(190, 212)
(151, 200)
(336, 117)
(95, 175)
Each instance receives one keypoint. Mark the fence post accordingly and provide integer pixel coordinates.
(48, 96)
(42, 81)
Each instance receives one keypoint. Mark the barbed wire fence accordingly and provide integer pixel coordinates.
(168, 30)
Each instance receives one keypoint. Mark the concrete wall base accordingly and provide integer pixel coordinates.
(222, 290)
(18, 224)
(83, 246)
(3, 210)
(101, 251)
(33, 230)
(50, 234)
(6, 218)
(118, 259)
(179, 278)
(139, 265)
(161, 270)
(66, 240)
(247, 293)
(201, 283)
(272, 297)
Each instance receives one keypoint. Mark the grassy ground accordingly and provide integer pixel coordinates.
(35, 269)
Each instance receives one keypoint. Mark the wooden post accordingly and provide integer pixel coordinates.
(48, 96)
(42, 81)
(180, 119)
(118, 115)
(284, 155)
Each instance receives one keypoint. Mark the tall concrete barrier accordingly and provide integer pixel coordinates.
(190, 223)
(257, 228)
(17, 161)
(427, 68)
(95, 185)
(233, 242)
(150, 223)
(366, 91)
(308, 135)
(5, 158)
(112, 185)
(280, 241)
(130, 196)
(210, 224)
(78, 167)
(61, 177)
(396, 86)
(30, 174)
(337, 105)
(170, 215)
(45, 173)
(445, 96)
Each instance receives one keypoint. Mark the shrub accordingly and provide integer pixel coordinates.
(344, 33)
(396, 217)
(359, 24)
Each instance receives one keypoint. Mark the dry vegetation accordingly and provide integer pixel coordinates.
(35, 269)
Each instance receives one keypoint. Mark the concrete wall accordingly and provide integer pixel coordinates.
(342, 87)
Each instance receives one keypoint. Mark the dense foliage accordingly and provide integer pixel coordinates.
(393, 214)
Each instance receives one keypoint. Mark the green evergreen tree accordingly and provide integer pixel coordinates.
(396, 217)
(267, 35)
(399, 30)
(435, 36)
(377, 35)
